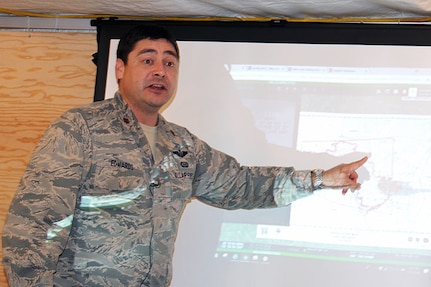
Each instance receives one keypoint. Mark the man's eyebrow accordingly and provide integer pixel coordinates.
(172, 53)
(168, 52)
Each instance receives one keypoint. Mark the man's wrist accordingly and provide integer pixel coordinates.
(317, 178)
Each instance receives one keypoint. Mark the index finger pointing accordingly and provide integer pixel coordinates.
(357, 164)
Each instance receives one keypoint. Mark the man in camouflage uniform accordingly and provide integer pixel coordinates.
(100, 201)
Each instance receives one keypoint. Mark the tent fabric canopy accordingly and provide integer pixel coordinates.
(290, 9)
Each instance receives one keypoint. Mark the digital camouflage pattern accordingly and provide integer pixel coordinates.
(94, 208)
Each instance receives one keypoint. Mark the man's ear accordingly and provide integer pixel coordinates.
(119, 69)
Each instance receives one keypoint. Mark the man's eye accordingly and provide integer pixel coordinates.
(147, 61)
(170, 64)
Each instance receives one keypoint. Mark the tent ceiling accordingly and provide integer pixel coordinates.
(296, 9)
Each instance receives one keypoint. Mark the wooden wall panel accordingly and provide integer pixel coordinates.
(41, 76)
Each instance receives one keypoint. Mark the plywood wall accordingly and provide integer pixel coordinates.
(41, 76)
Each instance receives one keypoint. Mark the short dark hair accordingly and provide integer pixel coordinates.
(141, 32)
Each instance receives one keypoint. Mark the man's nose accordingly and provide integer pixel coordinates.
(159, 70)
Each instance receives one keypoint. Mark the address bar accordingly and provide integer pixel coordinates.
(330, 75)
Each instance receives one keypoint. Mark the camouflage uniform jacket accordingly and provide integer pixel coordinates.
(95, 209)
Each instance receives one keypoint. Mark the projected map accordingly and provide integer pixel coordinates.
(396, 208)
(368, 113)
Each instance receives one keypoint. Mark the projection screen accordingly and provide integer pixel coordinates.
(308, 96)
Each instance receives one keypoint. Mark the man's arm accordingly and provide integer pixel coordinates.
(221, 181)
(38, 224)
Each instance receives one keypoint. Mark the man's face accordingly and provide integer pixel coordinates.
(150, 77)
